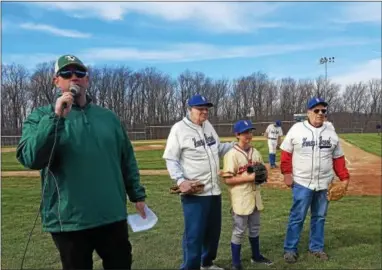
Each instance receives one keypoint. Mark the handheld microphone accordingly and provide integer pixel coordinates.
(75, 91)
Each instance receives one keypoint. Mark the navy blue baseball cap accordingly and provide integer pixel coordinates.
(278, 123)
(199, 100)
(242, 126)
(316, 101)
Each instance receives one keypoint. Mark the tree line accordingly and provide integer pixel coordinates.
(152, 97)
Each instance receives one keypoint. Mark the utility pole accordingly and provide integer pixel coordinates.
(325, 60)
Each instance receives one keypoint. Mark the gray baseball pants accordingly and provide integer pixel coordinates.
(242, 223)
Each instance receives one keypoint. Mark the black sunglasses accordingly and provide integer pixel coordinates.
(67, 74)
(316, 111)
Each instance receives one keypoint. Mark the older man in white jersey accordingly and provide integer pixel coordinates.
(310, 153)
(192, 154)
(273, 133)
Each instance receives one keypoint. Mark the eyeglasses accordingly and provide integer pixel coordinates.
(316, 111)
(67, 74)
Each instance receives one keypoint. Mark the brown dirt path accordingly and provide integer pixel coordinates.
(8, 149)
(364, 169)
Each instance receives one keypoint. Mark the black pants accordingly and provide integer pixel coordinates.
(111, 242)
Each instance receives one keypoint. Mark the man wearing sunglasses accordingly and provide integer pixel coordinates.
(87, 166)
(69, 71)
(310, 153)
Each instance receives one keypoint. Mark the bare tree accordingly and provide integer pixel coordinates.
(219, 91)
(42, 90)
(185, 84)
(151, 97)
(289, 96)
(14, 84)
(241, 96)
(375, 89)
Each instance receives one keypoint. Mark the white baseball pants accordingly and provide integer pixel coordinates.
(272, 144)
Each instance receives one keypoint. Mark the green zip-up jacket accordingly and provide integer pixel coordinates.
(91, 168)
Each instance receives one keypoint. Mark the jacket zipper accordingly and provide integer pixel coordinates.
(84, 117)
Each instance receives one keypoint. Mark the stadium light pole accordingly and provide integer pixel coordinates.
(325, 61)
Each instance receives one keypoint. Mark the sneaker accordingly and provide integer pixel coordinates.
(320, 255)
(211, 267)
(262, 260)
(290, 257)
(237, 267)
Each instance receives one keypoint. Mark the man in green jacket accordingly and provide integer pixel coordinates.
(87, 166)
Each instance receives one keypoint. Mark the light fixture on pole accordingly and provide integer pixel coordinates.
(325, 60)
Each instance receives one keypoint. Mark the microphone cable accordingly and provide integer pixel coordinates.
(43, 190)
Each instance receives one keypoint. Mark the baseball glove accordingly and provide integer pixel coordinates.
(278, 147)
(336, 191)
(197, 188)
(261, 173)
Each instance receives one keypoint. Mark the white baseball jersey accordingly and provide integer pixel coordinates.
(329, 124)
(196, 148)
(313, 150)
(274, 132)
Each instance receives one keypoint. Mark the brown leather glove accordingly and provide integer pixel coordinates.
(196, 188)
(336, 190)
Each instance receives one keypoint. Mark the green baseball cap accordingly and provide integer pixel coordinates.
(66, 60)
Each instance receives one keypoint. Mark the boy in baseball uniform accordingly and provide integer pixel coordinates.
(245, 196)
(273, 133)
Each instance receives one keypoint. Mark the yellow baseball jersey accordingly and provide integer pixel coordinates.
(244, 197)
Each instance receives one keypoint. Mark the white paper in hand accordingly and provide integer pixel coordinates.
(137, 223)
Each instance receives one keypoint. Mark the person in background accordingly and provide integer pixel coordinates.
(273, 133)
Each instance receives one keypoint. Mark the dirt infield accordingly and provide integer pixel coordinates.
(364, 168)
(8, 149)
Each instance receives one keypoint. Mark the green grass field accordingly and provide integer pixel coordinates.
(369, 142)
(353, 230)
(147, 160)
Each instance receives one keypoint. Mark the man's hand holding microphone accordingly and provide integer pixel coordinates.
(65, 102)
